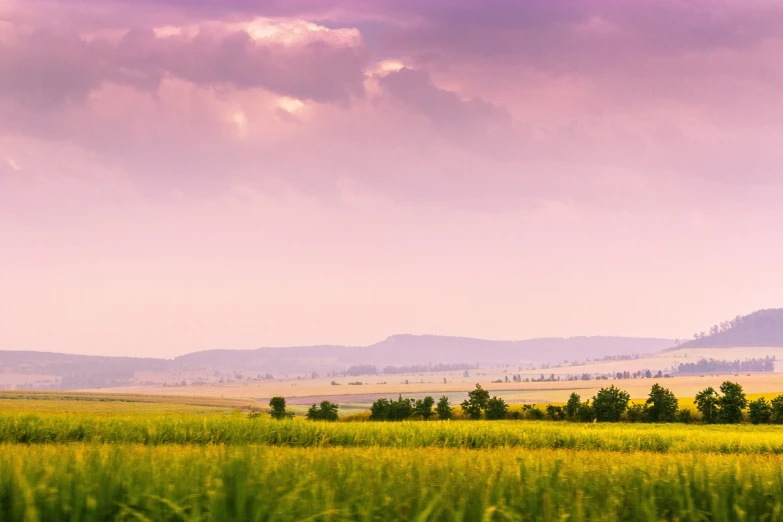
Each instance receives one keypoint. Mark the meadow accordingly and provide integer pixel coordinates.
(238, 430)
(167, 483)
(169, 462)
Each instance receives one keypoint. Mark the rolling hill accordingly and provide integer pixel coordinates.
(400, 350)
(763, 328)
(81, 371)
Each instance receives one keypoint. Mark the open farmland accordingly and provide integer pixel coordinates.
(237, 430)
(302, 393)
(108, 459)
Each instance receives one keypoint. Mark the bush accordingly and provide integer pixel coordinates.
(585, 412)
(760, 411)
(496, 409)
(683, 416)
(636, 413)
(707, 402)
(572, 406)
(555, 413)
(423, 407)
(732, 403)
(661, 405)
(726, 408)
(380, 410)
(476, 402)
(327, 411)
(532, 412)
(777, 410)
(389, 410)
(277, 405)
(610, 403)
(443, 408)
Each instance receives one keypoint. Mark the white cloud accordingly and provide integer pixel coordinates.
(388, 66)
(289, 104)
(298, 32)
(240, 120)
(13, 164)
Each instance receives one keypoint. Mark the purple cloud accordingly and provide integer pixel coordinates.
(50, 68)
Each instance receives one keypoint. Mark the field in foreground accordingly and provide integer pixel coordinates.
(108, 460)
(132, 482)
(237, 430)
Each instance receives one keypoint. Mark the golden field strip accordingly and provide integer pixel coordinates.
(100, 457)
(160, 429)
(87, 482)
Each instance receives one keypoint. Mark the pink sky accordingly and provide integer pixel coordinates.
(183, 175)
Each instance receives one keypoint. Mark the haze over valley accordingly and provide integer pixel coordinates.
(521, 371)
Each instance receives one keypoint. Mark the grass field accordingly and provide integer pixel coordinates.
(96, 460)
(131, 482)
(114, 403)
(237, 430)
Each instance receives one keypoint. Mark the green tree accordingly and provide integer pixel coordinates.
(610, 403)
(443, 408)
(759, 411)
(732, 403)
(585, 412)
(476, 402)
(277, 405)
(707, 402)
(423, 407)
(777, 410)
(555, 413)
(572, 406)
(326, 411)
(532, 412)
(496, 409)
(401, 409)
(380, 410)
(390, 410)
(636, 413)
(661, 405)
(683, 416)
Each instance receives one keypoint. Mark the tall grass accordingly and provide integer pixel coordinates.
(131, 482)
(155, 430)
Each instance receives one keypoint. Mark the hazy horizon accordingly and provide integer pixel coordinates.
(378, 341)
(183, 176)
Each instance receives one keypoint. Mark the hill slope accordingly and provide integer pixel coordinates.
(763, 328)
(80, 371)
(400, 350)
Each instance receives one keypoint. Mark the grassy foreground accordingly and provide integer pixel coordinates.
(155, 430)
(109, 460)
(132, 482)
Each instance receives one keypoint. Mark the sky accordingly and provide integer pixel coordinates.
(181, 175)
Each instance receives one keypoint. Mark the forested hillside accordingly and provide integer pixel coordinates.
(761, 328)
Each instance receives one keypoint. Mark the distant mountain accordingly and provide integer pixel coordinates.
(401, 350)
(763, 328)
(433, 348)
(81, 371)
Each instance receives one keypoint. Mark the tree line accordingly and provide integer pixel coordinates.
(761, 328)
(370, 369)
(727, 405)
(766, 364)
